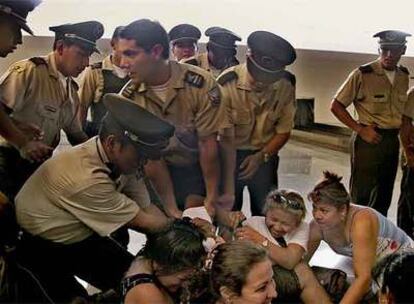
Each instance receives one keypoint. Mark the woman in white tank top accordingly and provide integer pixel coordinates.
(355, 231)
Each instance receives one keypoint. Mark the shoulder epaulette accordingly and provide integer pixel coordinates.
(227, 77)
(192, 62)
(38, 61)
(96, 65)
(365, 69)
(290, 77)
(194, 79)
(404, 69)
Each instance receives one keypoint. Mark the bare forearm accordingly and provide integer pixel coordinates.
(209, 162)
(405, 132)
(228, 160)
(276, 143)
(357, 290)
(157, 172)
(283, 256)
(150, 219)
(343, 116)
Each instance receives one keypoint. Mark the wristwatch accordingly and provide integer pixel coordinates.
(265, 243)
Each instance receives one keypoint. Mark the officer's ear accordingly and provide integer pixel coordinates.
(403, 50)
(157, 51)
(59, 46)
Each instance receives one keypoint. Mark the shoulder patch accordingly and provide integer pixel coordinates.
(365, 69)
(225, 78)
(38, 61)
(192, 62)
(194, 79)
(128, 89)
(404, 69)
(290, 77)
(96, 65)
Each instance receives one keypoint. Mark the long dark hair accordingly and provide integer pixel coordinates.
(175, 248)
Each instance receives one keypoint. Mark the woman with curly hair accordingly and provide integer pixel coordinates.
(352, 230)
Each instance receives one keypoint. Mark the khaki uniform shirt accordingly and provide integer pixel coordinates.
(202, 62)
(33, 90)
(257, 116)
(92, 83)
(409, 107)
(376, 100)
(71, 196)
(193, 105)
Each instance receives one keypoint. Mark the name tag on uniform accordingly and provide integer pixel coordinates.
(380, 98)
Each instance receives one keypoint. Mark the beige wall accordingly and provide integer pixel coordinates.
(318, 73)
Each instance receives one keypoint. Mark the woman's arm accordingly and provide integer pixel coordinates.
(287, 257)
(364, 235)
(315, 238)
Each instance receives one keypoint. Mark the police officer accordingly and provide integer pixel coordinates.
(13, 16)
(187, 97)
(262, 105)
(405, 214)
(221, 51)
(378, 91)
(41, 91)
(72, 204)
(183, 40)
(100, 78)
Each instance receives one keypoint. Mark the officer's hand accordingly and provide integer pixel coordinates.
(206, 228)
(368, 134)
(250, 165)
(35, 151)
(31, 131)
(235, 219)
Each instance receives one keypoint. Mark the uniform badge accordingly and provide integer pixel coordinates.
(214, 96)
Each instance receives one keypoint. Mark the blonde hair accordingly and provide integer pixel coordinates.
(286, 199)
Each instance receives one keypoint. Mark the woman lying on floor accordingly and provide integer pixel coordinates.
(284, 234)
(351, 230)
(168, 259)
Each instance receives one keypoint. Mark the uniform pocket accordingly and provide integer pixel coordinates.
(242, 123)
(377, 103)
(401, 102)
(49, 115)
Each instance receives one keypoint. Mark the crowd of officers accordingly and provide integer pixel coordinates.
(190, 131)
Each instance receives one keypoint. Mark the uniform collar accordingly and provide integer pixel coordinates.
(379, 70)
(107, 63)
(101, 151)
(51, 65)
(243, 77)
(176, 80)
